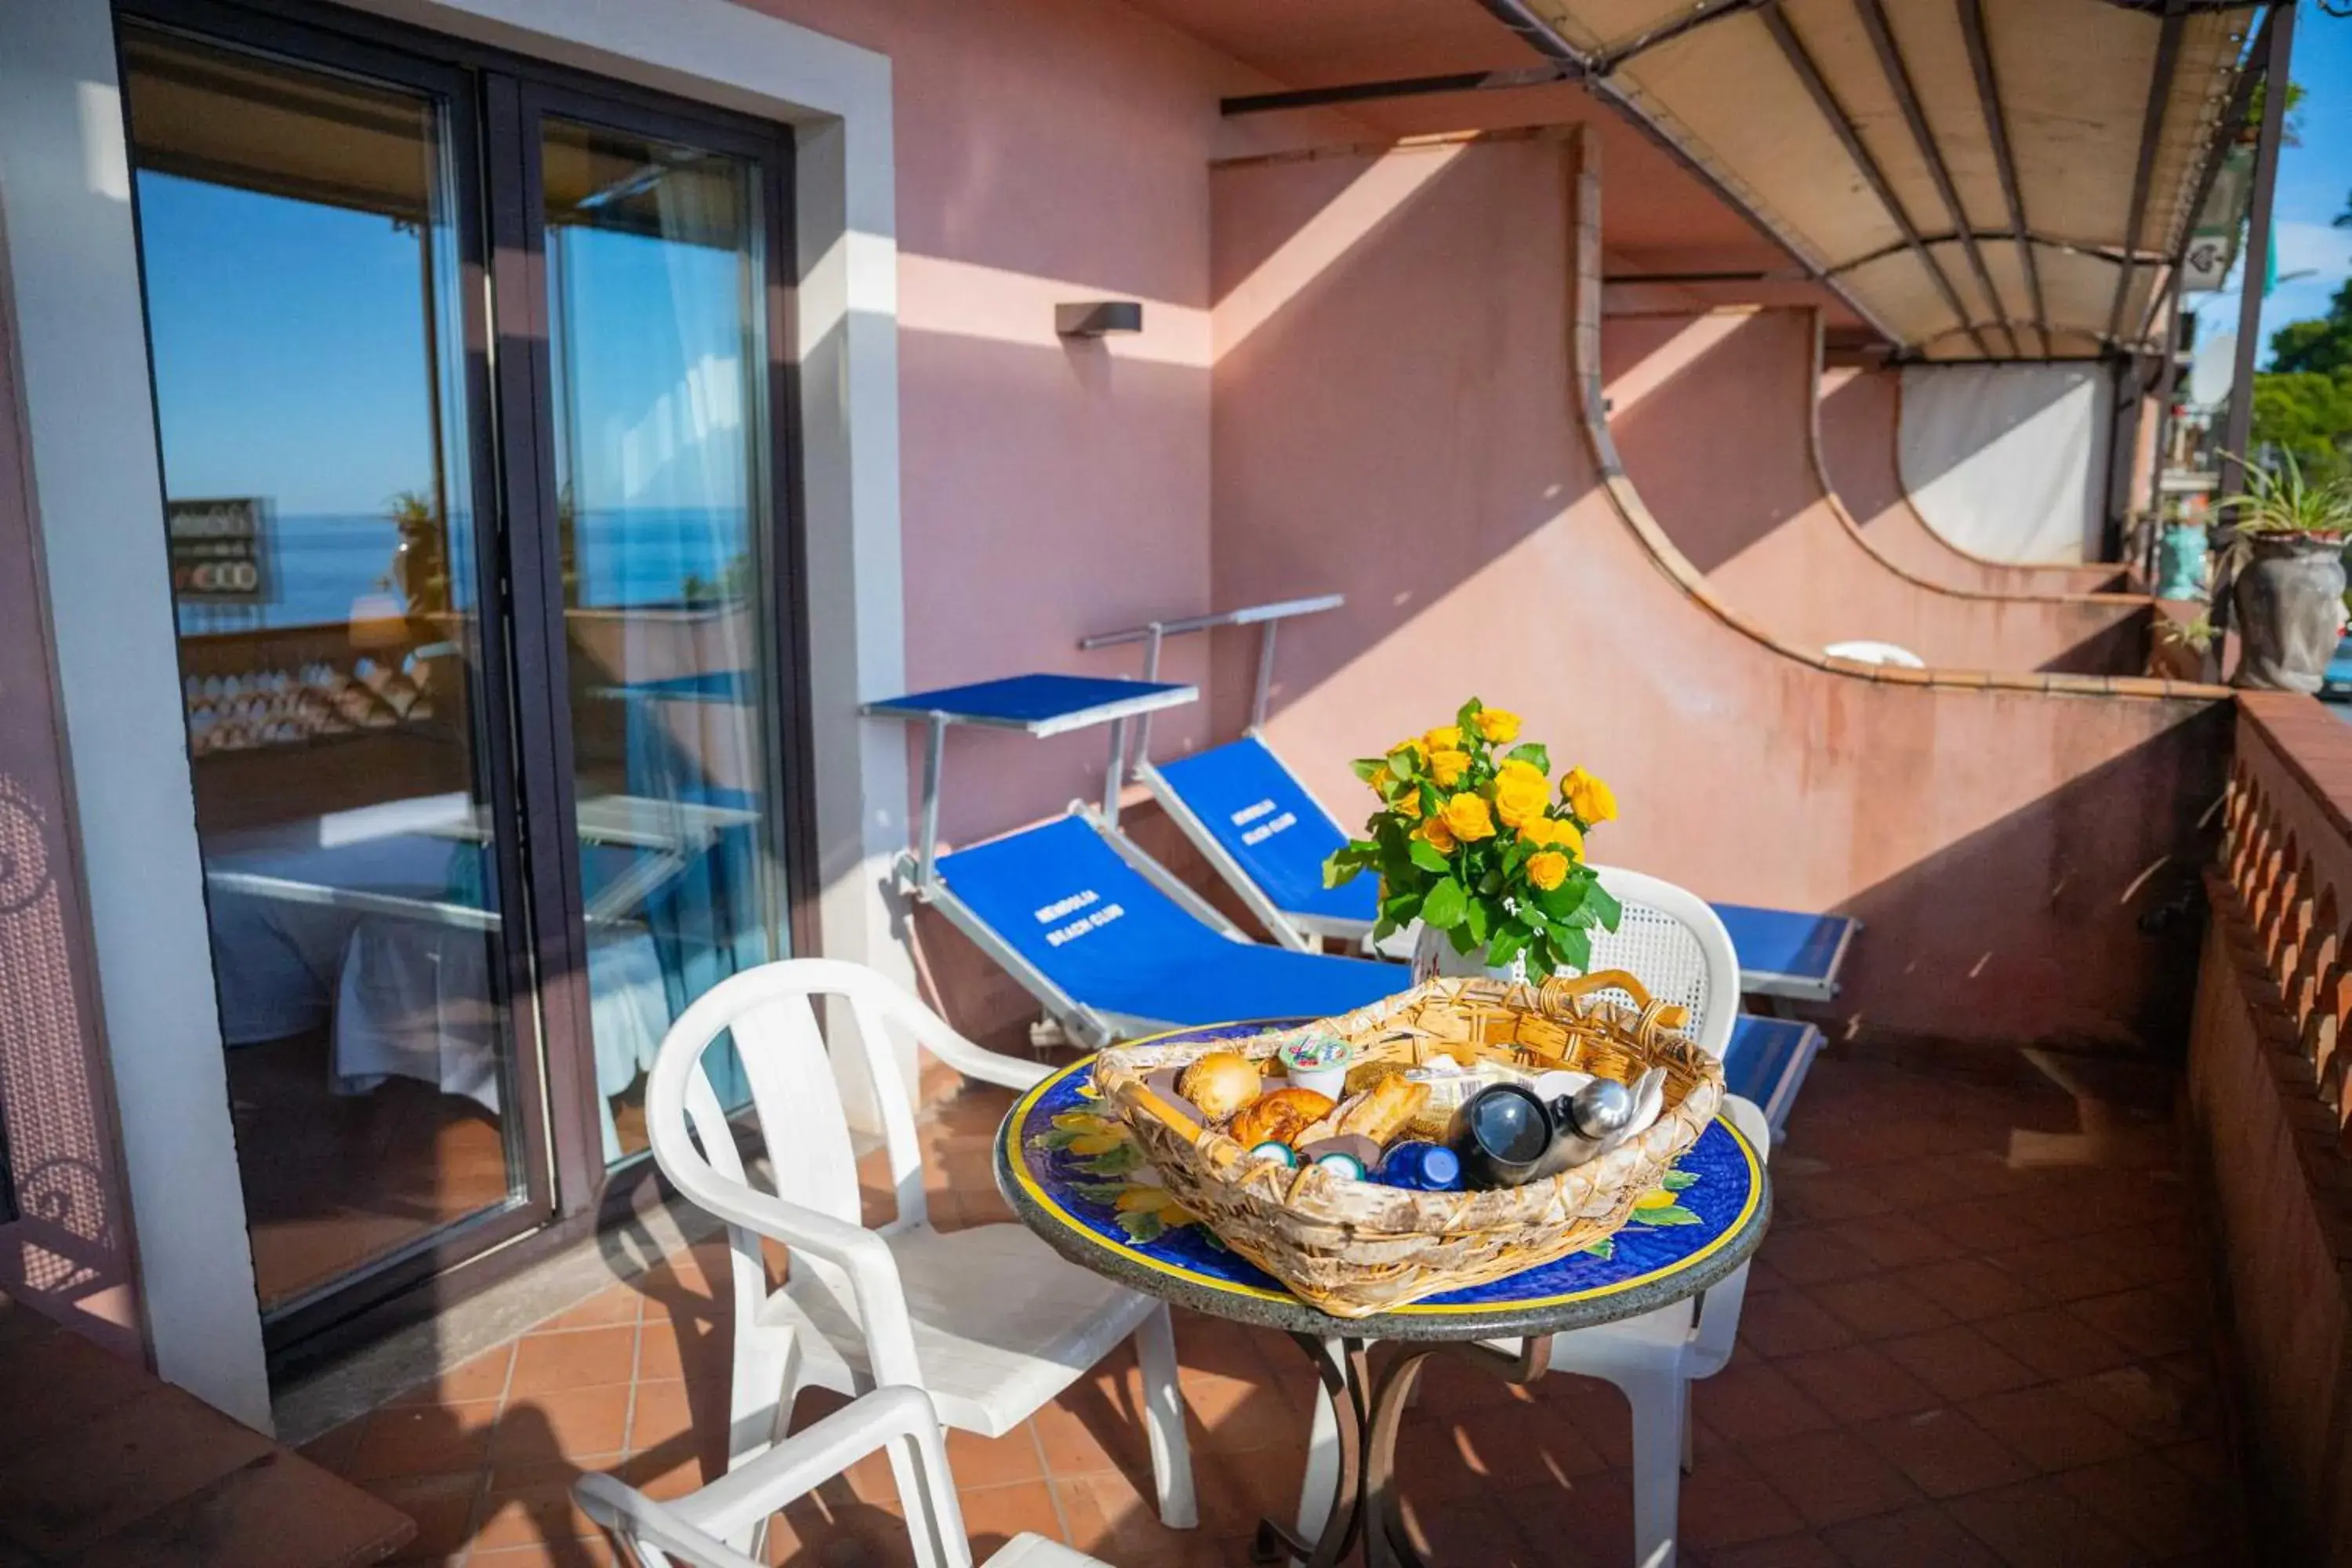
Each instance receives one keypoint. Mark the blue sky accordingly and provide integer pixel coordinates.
(2315, 180)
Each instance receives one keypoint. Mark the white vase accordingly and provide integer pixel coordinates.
(1433, 958)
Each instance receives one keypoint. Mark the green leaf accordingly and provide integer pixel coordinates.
(1369, 769)
(1445, 905)
(1100, 1192)
(1466, 716)
(1516, 857)
(1119, 1161)
(1478, 916)
(1142, 1226)
(1342, 867)
(1676, 1181)
(1510, 941)
(1425, 855)
(1402, 768)
(1571, 949)
(1464, 943)
(1671, 1213)
(1605, 908)
(1531, 752)
(1564, 901)
(1604, 1249)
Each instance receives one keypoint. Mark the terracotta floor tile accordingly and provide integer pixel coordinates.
(541, 1510)
(1801, 1551)
(592, 1552)
(1791, 1322)
(1083, 1431)
(991, 1461)
(1944, 1453)
(430, 1439)
(1923, 1536)
(686, 1420)
(2054, 1343)
(442, 1508)
(2065, 1269)
(1810, 1254)
(483, 1377)
(333, 1450)
(1467, 1531)
(1969, 1288)
(684, 1347)
(1588, 1526)
(575, 1358)
(1831, 1476)
(616, 1304)
(1958, 1362)
(2049, 1427)
(1115, 1517)
(993, 1515)
(2145, 1401)
(1725, 1503)
(1751, 1403)
(2034, 1524)
(1981, 1224)
(1857, 1383)
(2149, 1319)
(1898, 1241)
(568, 1424)
(2163, 1512)
(1828, 1195)
(1880, 1306)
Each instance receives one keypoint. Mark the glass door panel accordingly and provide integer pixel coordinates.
(656, 267)
(307, 291)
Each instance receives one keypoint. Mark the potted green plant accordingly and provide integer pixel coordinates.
(2287, 584)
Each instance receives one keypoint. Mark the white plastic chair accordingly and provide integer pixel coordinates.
(987, 1320)
(689, 1530)
(1677, 947)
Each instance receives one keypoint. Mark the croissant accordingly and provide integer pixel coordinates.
(1220, 1083)
(1280, 1116)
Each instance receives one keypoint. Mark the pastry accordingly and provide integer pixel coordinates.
(1280, 1116)
(1384, 1109)
(1220, 1083)
(1363, 1075)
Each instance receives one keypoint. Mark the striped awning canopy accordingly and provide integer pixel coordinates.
(1980, 179)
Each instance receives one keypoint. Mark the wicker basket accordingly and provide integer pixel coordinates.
(1353, 1249)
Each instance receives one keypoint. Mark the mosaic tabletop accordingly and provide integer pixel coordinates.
(1075, 1177)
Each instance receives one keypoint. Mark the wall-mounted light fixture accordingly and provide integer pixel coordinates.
(1096, 318)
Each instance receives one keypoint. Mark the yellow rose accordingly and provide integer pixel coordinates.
(1587, 797)
(1521, 792)
(1408, 744)
(1498, 725)
(1467, 818)
(1547, 868)
(1448, 739)
(1408, 805)
(1436, 835)
(1447, 768)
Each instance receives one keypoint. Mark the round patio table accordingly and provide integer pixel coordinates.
(1070, 1172)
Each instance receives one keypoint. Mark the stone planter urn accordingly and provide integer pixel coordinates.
(2289, 598)
(1433, 958)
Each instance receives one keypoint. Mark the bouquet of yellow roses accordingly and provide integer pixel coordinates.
(1469, 840)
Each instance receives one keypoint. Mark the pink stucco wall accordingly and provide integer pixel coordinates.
(1047, 149)
(1406, 428)
(1859, 413)
(1756, 517)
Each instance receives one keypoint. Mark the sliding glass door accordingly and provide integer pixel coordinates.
(468, 408)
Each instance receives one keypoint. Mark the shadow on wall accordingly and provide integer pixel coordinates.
(1408, 431)
(1712, 413)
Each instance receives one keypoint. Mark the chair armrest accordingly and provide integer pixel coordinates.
(801, 1463)
(859, 1253)
(972, 1061)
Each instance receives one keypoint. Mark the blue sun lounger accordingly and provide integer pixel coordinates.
(1110, 942)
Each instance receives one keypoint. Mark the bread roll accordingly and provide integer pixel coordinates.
(1383, 1111)
(1220, 1083)
(1280, 1116)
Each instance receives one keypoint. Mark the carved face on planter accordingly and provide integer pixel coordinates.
(2289, 596)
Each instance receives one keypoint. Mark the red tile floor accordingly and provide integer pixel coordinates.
(1977, 1334)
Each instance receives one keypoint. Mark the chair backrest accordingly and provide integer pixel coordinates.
(689, 1530)
(1676, 945)
(769, 1012)
(1260, 816)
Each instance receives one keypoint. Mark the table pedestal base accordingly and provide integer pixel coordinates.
(1368, 1411)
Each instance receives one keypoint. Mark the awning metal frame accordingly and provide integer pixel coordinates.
(2159, 96)
(1996, 119)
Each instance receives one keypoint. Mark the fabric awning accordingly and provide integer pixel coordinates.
(1969, 174)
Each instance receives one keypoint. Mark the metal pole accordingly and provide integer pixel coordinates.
(2258, 248)
(1265, 677)
(1150, 672)
(2240, 423)
(1112, 770)
(935, 745)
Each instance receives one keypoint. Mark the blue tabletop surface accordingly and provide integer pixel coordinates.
(1041, 704)
(1076, 1161)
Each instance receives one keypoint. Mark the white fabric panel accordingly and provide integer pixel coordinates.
(2008, 462)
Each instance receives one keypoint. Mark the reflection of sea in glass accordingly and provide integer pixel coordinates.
(301, 285)
(653, 268)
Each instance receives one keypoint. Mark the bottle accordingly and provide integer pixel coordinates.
(1501, 1137)
(1584, 1124)
(1424, 1167)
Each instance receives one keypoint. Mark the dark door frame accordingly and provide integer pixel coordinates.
(493, 102)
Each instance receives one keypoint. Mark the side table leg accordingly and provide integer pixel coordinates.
(1387, 1542)
(1340, 1364)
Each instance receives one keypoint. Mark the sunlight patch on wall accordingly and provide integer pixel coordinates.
(1671, 358)
(964, 299)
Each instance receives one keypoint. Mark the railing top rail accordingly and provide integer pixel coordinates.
(1249, 615)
